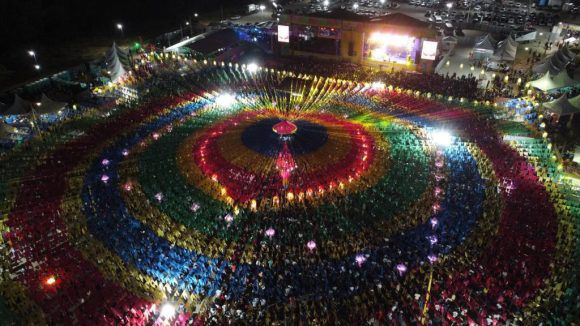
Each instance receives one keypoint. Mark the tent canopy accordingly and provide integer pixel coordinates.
(49, 106)
(506, 50)
(116, 63)
(547, 83)
(555, 62)
(485, 43)
(561, 106)
(19, 107)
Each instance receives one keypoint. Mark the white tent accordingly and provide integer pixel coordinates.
(545, 83)
(49, 106)
(484, 47)
(575, 101)
(563, 80)
(506, 50)
(19, 107)
(116, 62)
(561, 106)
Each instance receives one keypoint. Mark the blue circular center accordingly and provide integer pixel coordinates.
(261, 138)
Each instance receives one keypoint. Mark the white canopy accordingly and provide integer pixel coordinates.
(561, 106)
(575, 101)
(49, 106)
(547, 83)
(485, 43)
(19, 107)
(563, 80)
(115, 63)
(506, 50)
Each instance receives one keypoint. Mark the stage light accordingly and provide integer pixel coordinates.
(360, 259)
(382, 2)
(311, 245)
(432, 258)
(326, 3)
(401, 268)
(355, 6)
(159, 196)
(449, 5)
(225, 100)
(252, 67)
(167, 311)
(31, 53)
(270, 232)
(104, 178)
(441, 137)
(105, 162)
(50, 280)
(434, 222)
(37, 67)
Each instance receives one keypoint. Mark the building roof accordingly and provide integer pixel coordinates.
(215, 41)
(397, 19)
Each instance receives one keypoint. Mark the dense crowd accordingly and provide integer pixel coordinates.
(120, 211)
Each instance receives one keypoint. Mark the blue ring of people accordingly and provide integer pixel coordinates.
(110, 221)
(352, 198)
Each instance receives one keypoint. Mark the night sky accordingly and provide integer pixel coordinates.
(38, 20)
(70, 32)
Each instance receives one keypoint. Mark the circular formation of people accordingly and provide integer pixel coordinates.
(241, 194)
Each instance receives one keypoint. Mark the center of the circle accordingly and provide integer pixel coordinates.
(285, 128)
(269, 136)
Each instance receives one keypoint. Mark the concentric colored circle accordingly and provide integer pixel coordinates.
(342, 210)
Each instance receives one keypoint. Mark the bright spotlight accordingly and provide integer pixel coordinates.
(167, 311)
(326, 3)
(252, 67)
(442, 137)
(355, 6)
(378, 86)
(225, 100)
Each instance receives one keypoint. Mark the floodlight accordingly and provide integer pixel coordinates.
(225, 99)
(252, 67)
(50, 280)
(168, 310)
(441, 137)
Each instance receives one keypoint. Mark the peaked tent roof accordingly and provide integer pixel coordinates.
(49, 106)
(19, 107)
(567, 53)
(553, 63)
(116, 62)
(575, 101)
(506, 49)
(561, 106)
(6, 129)
(563, 80)
(485, 43)
(544, 83)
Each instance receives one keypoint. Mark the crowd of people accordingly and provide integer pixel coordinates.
(109, 223)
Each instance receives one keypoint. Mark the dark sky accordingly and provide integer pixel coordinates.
(24, 22)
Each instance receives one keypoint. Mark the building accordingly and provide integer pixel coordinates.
(394, 40)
